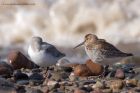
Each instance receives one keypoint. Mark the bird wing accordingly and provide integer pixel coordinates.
(108, 50)
(52, 50)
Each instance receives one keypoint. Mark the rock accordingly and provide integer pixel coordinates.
(106, 90)
(53, 85)
(72, 77)
(18, 60)
(120, 74)
(99, 85)
(6, 86)
(97, 91)
(86, 88)
(36, 70)
(5, 69)
(66, 69)
(59, 75)
(20, 78)
(137, 89)
(20, 89)
(22, 82)
(36, 91)
(131, 82)
(95, 68)
(36, 76)
(18, 75)
(36, 79)
(82, 70)
(111, 74)
(87, 82)
(116, 85)
(79, 91)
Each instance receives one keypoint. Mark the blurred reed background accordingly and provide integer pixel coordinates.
(64, 23)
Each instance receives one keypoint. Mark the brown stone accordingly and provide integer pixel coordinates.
(18, 60)
(82, 70)
(116, 85)
(88, 69)
(79, 91)
(95, 68)
(131, 82)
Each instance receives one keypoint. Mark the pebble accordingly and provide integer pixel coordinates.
(95, 68)
(82, 70)
(53, 84)
(36, 91)
(120, 74)
(18, 75)
(6, 86)
(18, 60)
(99, 85)
(131, 82)
(5, 69)
(22, 82)
(97, 91)
(106, 90)
(72, 77)
(86, 88)
(116, 85)
(36, 79)
(79, 91)
(58, 76)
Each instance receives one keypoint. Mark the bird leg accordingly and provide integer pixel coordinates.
(104, 72)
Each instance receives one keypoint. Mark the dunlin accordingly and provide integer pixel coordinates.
(101, 51)
(42, 53)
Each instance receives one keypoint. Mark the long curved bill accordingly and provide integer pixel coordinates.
(79, 44)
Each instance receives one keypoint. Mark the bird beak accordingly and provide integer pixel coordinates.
(79, 44)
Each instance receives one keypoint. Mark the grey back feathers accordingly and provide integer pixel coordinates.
(52, 50)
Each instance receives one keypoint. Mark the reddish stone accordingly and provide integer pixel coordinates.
(18, 60)
(95, 68)
(82, 70)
